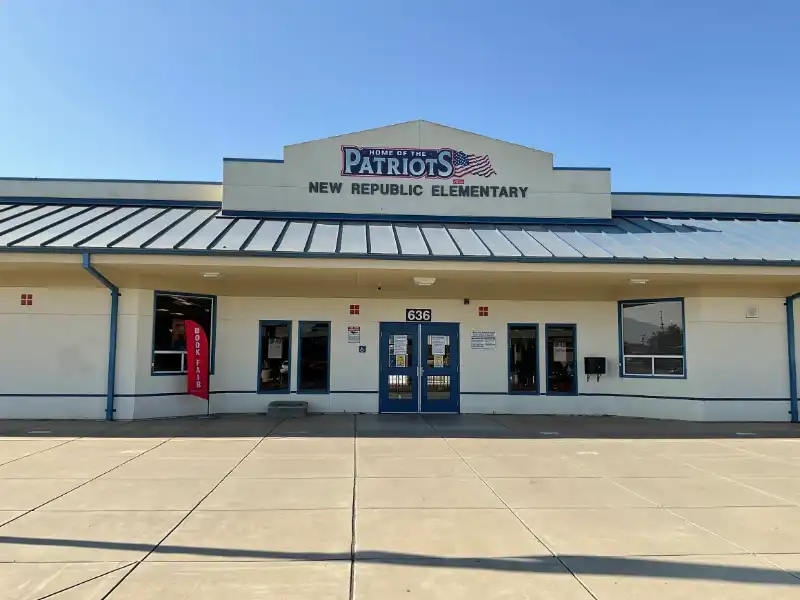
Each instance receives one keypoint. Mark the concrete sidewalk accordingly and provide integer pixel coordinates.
(371, 507)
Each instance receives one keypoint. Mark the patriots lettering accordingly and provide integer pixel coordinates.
(416, 163)
(397, 162)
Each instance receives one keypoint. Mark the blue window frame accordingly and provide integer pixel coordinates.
(313, 357)
(561, 355)
(274, 357)
(170, 311)
(523, 358)
(652, 338)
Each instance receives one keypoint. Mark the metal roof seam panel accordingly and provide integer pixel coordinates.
(324, 238)
(353, 238)
(234, 238)
(118, 231)
(279, 239)
(94, 227)
(468, 241)
(265, 235)
(179, 232)
(382, 239)
(205, 237)
(21, 233)
(28, 218)
(310, 236)
(54, 232)
(582, 244)
(155, 228)
(295, 237)
(138, 227)
(16, 211)
(410, 240)
(496, 242)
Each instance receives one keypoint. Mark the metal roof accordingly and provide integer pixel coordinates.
(125, 228)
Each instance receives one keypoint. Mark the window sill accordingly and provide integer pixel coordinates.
(652, 376)
(524, 393)
(312, 392)
(273, 392)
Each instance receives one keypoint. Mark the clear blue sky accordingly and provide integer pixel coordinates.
(678, 95)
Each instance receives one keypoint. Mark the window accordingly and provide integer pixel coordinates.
(653, 342)
(314, 357)
(561, 360)
(169, 329)
(274, 347)
(523, 359)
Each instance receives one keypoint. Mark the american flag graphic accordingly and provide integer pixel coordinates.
(472, 164)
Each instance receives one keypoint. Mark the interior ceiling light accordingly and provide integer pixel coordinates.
(424, 281)
(639, 281)
(210, 275)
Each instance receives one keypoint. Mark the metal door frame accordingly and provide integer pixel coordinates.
(419, 370)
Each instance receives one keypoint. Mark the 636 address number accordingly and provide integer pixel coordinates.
(418, 314)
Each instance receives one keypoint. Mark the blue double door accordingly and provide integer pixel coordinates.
(419, 368)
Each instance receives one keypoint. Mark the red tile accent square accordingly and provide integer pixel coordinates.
(26, 299)
(483, 311)
(355, 309)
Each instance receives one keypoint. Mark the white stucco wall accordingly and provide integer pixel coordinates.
(53, 354)
(53, 357)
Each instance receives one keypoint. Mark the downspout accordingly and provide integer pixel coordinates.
(112, 342)
(792, 357)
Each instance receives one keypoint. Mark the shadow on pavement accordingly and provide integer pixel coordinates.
(412, 426)
(577, 564)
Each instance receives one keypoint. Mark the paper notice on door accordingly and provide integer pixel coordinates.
(275, 348)
(439, 344)
(353, 334)
(560, 351)
(401, 344)
(400, 360)
(438, 361)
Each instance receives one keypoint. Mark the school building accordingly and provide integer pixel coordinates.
(413, 268)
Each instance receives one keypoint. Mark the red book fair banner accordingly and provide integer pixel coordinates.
(197, 360)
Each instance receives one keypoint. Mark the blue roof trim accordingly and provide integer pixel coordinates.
(696, 195)
(683, 214)
(375, 217)
(38, 200)
(81, 180)
(410, 258)
(254, 160)
(581, 168)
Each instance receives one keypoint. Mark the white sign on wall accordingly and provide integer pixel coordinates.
(483, 340)
(353, 334)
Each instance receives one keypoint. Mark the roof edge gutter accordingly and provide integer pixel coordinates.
(793, 406)
(112, 341)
